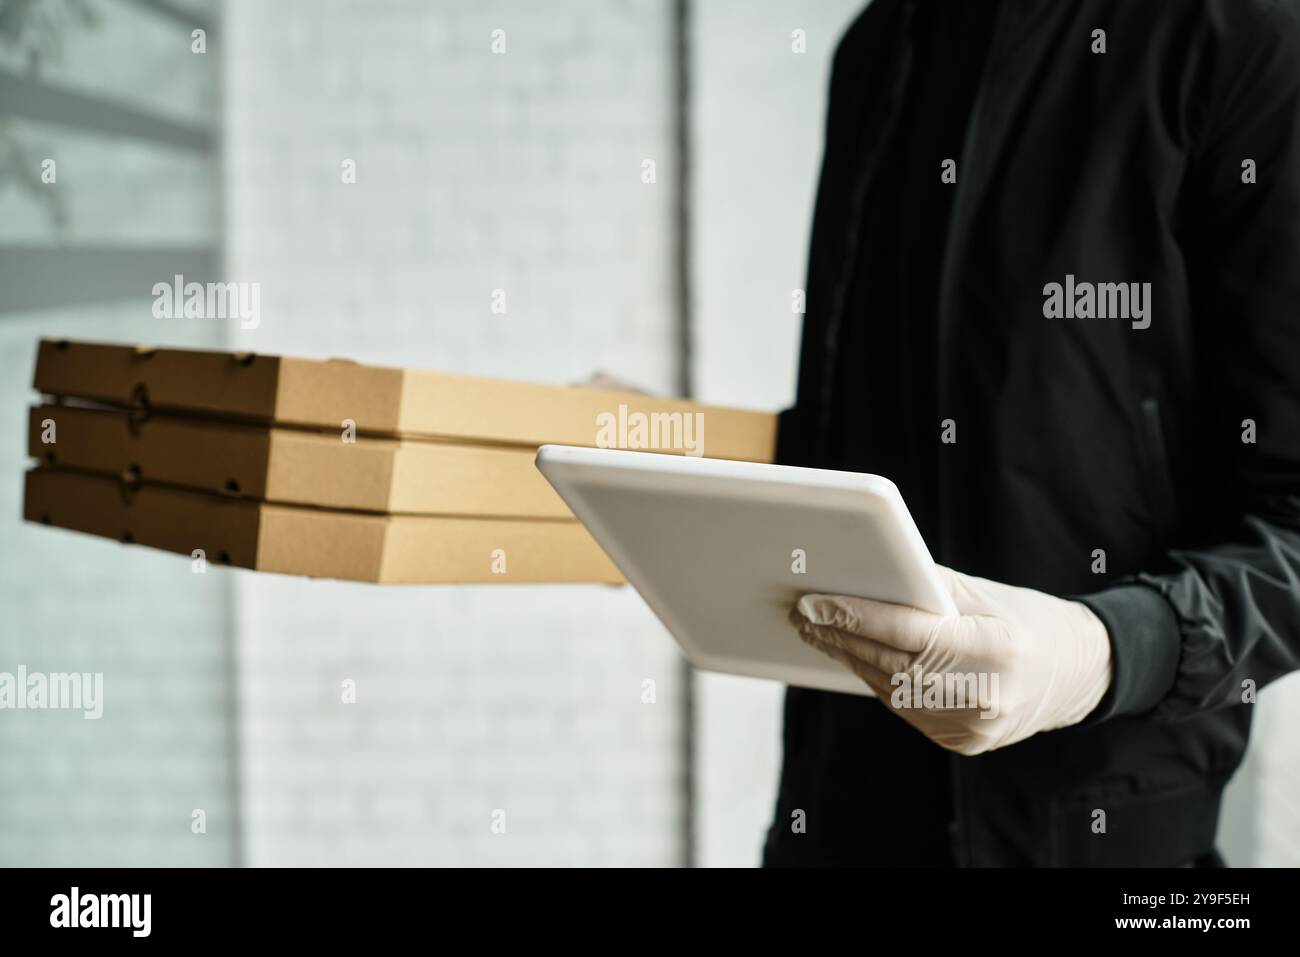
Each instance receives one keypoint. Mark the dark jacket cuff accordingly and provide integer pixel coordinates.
(1145, 646)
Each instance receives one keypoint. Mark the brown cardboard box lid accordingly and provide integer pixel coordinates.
(295, 466)
(317, 542)
(386, 401)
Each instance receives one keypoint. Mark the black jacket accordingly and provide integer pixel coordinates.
(1076, 435)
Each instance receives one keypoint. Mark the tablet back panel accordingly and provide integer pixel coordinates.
(722, 550)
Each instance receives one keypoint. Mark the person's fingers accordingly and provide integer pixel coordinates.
(882, 658)
(968, 592)
(603, 380)
(898, 626)
(877, 681)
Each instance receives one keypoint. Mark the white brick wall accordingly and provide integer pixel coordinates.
(119, 790)
(475, 172)
(757, 129)
(1262, 813)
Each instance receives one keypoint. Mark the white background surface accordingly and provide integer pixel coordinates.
(474, 173)
(757, 126)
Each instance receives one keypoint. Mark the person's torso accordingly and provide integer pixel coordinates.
(1064, 443)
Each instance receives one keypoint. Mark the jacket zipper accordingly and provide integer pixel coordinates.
(1161, 486)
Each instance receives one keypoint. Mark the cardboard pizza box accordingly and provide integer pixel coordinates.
(295, 466)
(317, 542)
(327, 394)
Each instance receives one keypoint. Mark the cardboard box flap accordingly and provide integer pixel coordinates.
(224, 529)
(316, 542)
(211, 456)
(298, 467)
(326, 394)
(237, 385)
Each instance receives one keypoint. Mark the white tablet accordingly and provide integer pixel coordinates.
(722, 550)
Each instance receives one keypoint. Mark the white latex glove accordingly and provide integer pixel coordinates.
(1024, 661)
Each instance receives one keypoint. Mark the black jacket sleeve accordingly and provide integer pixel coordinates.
(1229, 617)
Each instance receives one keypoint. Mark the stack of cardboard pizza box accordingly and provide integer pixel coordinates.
(330, 468)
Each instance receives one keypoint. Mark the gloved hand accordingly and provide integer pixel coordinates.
(1013, 663)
